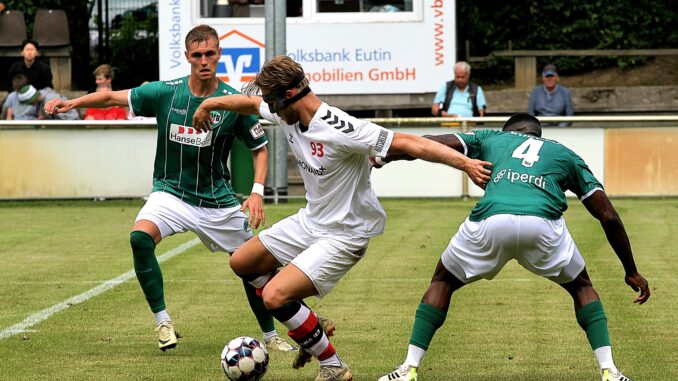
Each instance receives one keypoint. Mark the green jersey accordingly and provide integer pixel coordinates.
(530, 174)
(188, 164)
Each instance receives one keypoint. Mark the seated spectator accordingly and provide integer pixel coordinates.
(459, 98)
(18, 81)
(103, 76)
(551, 99)
(38, 73)
(25, 105)
(28, 104)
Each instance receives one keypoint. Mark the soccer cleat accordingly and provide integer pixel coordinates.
(167, 336)
(609, 376)
(303, 357)
(402, 373)
(277, 343)
(334, 373)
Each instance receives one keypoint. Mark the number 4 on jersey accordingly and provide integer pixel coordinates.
(528, 151)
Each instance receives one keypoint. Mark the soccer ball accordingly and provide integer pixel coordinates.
(244, 359)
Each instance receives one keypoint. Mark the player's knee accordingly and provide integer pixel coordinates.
(273, 297)
(238, 264)
(141, 242)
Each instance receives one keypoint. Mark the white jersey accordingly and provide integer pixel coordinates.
(332, 158)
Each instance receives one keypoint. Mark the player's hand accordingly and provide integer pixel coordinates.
(57, 105)
(201, 119)
(376, 162)
(255, 204)
(478, 171)
(639, 283)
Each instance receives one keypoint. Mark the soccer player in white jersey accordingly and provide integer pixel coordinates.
(520, 217)
(191, 188)
(320, 243)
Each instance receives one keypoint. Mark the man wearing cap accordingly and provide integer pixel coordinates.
(25, 105)
(551, 99)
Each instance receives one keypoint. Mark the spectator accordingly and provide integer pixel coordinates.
(38, 73)
(103, 76)
(28, 104)
(459, 98)
(2, 7)
(18, 81)
(25, 105)
(551, 99)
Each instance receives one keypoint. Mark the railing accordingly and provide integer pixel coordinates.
(526, 60)
(632, 155)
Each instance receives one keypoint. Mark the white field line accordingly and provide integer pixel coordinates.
(101, 288)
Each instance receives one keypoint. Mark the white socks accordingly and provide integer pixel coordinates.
(604, 357)
(414, 355)
(161, 317)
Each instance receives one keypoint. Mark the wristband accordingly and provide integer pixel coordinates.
(258, 189)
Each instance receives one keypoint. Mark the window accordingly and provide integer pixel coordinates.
(333, 6)
(243, 8)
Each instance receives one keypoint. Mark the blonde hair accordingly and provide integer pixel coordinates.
(105, 70)
(280, 72)
(200, 33)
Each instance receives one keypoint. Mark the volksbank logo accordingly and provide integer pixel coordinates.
(189, 136)
(241, 58)
(513, 177)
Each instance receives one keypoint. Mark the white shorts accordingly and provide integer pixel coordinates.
(481, 249)
(323, 258)
(218, 229)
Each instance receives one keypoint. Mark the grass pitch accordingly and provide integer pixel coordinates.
(517, 327)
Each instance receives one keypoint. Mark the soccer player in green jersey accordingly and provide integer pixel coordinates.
(520, 217)
(191, 189)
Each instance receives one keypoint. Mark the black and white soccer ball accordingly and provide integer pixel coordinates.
(244, 359)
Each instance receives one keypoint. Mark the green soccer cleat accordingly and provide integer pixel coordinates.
(278, 344)
(334, 373)
(303, 357)
(609, 376)
(402, 373)
(167, 336)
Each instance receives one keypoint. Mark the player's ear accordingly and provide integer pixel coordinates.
(188, 59)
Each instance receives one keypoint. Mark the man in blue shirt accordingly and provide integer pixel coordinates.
(459, 98)
(551, 99)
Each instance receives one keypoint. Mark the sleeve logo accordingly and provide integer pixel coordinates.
(257, 131)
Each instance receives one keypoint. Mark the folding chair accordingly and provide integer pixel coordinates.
(12, 29)
(51, 28)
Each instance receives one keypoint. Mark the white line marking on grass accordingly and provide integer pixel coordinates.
(101, 288)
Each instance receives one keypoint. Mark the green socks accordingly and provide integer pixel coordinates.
(147, 269)
(592, 319)
(264, 317)
(427, 321)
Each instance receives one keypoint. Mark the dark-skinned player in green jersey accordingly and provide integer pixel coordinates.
(191, 189)
(520, 217)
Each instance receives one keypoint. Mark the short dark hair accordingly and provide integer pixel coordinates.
(525, 123)
(200, 33)
(30, 41)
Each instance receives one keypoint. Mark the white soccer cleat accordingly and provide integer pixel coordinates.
(402, 373)
(609, 376)
(277, 343)
(167, 335)
(334, 373)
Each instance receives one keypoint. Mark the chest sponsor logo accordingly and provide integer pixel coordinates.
(189, 136)
(307, 168)
(513, 177)
(257, 131)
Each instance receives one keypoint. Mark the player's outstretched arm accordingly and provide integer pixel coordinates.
(240, 103)
(449, 140)
(255, 203)
(99, 99)
(600, 207)
(429, 150)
